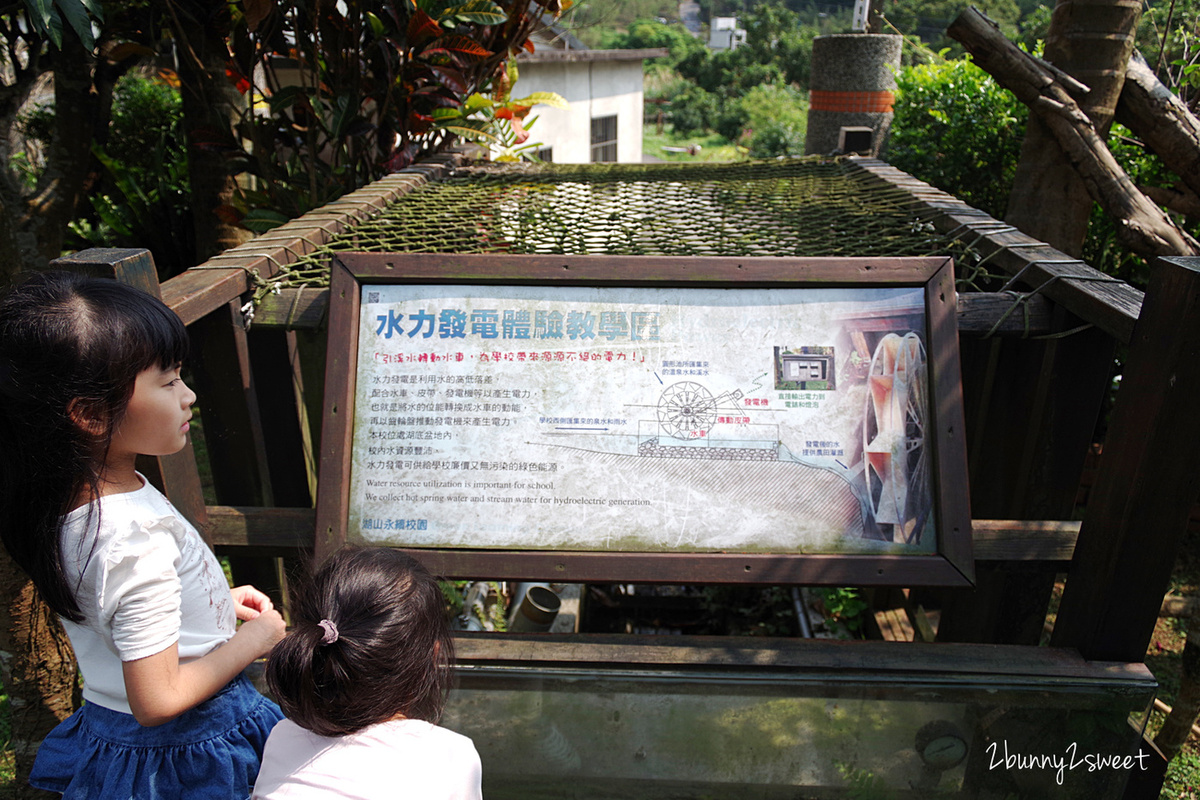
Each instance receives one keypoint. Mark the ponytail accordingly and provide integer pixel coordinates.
(370, 643)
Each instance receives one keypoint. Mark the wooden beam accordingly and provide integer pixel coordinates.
(979, 313)
(1007, 540)
(985, 662)
(1110, 304)
(1147, 480)
(198, 292)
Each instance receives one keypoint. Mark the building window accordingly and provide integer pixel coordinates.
(604, 138)
(545, 154)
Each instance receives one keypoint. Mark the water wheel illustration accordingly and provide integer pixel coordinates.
(686, 410)
(894, 446)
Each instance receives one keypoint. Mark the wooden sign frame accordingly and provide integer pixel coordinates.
(950, 563)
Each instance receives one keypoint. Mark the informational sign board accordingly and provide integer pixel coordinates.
(614, 424)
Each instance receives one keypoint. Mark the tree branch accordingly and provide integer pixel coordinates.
(1141, 225)
(1162, 121)
(1180, 199)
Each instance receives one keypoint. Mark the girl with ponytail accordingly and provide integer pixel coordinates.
(362, 679)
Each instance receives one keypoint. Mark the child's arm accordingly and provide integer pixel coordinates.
(159, 688)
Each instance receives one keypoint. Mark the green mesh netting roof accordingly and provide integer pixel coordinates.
(795, 207)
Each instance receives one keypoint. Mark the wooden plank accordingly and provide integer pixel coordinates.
(1147, 480)
(642, 270)
(893, 625)
(293, 309)
(948, 429)
(985, 661)
(979, 313)
(200, 291)
(1110, 304)
(1004, 540)
(337, 427)
(1001, 314)
(275, 531)
(684, 568)
(307, 355)
(175, 475)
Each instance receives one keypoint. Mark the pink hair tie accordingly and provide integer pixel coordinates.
(331, 632)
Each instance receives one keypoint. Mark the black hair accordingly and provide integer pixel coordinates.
(391, 654)
(70, 345)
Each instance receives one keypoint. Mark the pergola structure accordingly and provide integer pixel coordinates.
(652, 716)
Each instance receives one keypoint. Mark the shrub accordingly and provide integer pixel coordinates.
(775, 118)
(958, 130)
(694, 109)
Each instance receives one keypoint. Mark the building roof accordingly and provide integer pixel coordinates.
(550, 56)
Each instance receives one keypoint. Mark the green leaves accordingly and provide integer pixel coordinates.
(47, 17)
(482, 12)
(551, 99)
(952, 124)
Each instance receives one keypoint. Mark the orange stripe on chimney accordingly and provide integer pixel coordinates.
(852, 102)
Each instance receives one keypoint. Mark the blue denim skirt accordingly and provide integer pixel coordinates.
(211, 751)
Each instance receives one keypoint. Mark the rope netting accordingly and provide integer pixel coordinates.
(815, 206)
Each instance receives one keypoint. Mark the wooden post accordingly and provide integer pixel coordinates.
(236, 425)
(1032, 408)
(1147, 479)
(229, 404)
(175, 475)
(273, 357)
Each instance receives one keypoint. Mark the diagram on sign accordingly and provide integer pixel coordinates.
(887, 475)
(645, 419)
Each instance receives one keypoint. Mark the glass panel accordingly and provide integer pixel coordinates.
(566, 732)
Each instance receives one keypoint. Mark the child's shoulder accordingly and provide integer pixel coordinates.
(128, 519)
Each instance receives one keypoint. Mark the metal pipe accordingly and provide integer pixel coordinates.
(537, 610)
(801, 613)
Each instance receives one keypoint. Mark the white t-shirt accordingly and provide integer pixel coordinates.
(143, 579)
(402, 759)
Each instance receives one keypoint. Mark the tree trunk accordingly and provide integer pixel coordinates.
(34, 227)
(39, 672)
(1090, 41)
(1141, 225)
(209, 109)
(1178, 725)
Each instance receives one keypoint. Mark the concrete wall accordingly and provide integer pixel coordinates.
(594, 89)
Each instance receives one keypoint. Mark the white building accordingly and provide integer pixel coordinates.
(724, 34)
(604, 90)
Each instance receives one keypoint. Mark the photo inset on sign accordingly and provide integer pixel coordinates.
(642, 419)
(804, 368)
